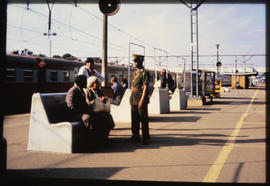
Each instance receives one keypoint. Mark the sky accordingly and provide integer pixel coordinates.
(153, 30)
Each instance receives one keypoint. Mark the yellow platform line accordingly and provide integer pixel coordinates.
(217, 166)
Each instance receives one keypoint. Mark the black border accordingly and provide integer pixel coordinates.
(40, 181)
(141, 1)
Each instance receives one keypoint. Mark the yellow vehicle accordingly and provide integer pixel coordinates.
(218, 87)
(206, 84)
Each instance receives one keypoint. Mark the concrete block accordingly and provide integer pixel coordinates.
(159, 101)
(194, 102)
(122, 112)
(178, 100)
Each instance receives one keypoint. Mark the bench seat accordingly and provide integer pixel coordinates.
(52, 128)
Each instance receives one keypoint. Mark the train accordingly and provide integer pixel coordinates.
(21, 78)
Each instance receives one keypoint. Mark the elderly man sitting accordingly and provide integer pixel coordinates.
(101, 119)
(80, 101)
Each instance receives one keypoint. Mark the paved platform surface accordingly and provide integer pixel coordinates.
(219, 142)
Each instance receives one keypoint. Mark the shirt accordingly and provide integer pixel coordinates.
(84, 70)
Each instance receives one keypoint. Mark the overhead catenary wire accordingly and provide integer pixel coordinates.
(88, 34)
(115, 27)
(73, 28)
(87, 43)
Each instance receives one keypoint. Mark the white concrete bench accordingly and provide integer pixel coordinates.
(122, 112)
(159, 101)
(52, 127)
(178, 100)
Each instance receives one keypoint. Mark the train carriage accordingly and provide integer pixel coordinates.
(21, 78)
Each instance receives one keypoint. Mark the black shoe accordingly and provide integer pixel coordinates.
(146, 142)
(134, 139)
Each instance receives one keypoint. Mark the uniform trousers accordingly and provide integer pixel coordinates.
(139, 115)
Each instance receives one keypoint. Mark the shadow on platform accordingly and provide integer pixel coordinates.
(121, 144)
(87, 173)
(239, 102)
(237, 98)
(174, 119)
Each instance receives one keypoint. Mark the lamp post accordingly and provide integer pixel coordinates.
(236, 71)
(217, 56)
(49, 34)
(108, 8)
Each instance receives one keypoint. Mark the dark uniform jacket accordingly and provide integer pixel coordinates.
(140, 77)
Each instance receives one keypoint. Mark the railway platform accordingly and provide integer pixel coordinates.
(222, 142)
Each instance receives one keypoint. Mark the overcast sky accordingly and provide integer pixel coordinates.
(238, 28)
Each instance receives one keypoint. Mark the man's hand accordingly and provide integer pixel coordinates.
(140, 104)
(143, 96)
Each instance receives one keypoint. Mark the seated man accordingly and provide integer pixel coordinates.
(75, 100)
(124, 84)
(118, 91)
(102, 121)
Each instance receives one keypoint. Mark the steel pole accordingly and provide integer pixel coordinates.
(197, 47)
(191, 79)
(129, 65)
(104, 70)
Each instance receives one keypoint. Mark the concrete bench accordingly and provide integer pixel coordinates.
(178, 100)
(159, 101)
(52, 128)
(122, 112)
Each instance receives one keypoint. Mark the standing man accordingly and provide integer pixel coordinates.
(139, 101)
(118, 91)
(89, 70)
(163, 78)
(41, 74)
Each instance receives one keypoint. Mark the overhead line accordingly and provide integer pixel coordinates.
(90, 35)
(115, 27)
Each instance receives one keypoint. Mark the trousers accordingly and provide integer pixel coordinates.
(140, 115)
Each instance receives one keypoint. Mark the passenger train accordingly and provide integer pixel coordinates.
(21, 78)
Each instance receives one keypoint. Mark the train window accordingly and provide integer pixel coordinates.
(66, 76)
(10, 74)
(120, 72)
(28, 75)
(53, 76)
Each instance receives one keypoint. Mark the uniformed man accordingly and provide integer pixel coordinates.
(139, 101)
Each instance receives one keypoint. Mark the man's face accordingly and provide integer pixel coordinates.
(92, 66)
(88, 65)
(111, 81)
(135, 64)
(96, 85)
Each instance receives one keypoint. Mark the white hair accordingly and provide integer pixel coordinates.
(91, 80)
